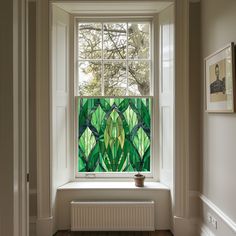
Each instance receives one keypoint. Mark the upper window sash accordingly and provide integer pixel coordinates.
(130, 71)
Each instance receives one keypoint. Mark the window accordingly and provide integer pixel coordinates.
(114, 97)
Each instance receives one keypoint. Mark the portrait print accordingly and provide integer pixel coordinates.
(220, 80)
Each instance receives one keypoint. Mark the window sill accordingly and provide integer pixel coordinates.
(112, 186)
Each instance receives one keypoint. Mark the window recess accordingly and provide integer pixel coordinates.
(114, 98)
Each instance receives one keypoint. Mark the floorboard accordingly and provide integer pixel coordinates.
(156, 233)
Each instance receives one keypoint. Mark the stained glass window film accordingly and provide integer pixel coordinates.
(114, 134)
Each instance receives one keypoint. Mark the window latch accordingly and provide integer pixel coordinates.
(90, 175)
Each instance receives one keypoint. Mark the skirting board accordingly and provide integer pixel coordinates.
(186, 227)
(205, 231)
(44, 226)
(32, 225)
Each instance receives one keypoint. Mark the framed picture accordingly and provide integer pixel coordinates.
(220, 81)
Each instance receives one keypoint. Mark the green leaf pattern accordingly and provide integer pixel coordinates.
(114, 134)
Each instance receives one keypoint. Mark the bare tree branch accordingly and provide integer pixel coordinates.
(136, 43)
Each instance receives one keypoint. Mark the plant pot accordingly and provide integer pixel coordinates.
(139, 180)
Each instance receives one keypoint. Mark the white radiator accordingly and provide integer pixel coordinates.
(112, 216)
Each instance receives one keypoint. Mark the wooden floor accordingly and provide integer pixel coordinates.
(157, 233)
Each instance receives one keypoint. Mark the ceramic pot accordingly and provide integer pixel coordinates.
(139, 180)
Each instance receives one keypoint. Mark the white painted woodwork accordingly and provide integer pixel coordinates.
(95, 192)
(14, 119)
(112, 216)
(21, 121)
(62, 154)
(194, 106)
(32, 108)
(44, 206)
(109, 185)
(166, 90)
(181, 110)
(114, 7)
(8, 148)
(186, 226)
(205, 231)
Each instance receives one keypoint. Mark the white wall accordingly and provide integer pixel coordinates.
(219, 130)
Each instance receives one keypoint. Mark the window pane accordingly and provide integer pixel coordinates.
(139, 78)
(90, 78)
(114, 134)
(90, 40)
(138, 40)
(115, 82)
(115, 40)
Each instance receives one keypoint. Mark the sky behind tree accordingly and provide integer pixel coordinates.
(113, 59)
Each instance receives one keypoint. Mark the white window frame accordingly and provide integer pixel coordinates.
(154, 94)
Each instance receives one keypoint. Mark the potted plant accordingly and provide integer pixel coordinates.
(139, 178)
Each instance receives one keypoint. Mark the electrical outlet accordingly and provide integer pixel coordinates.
(209, 218)
(214, 222)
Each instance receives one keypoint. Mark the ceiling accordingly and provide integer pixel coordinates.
(113, 7)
